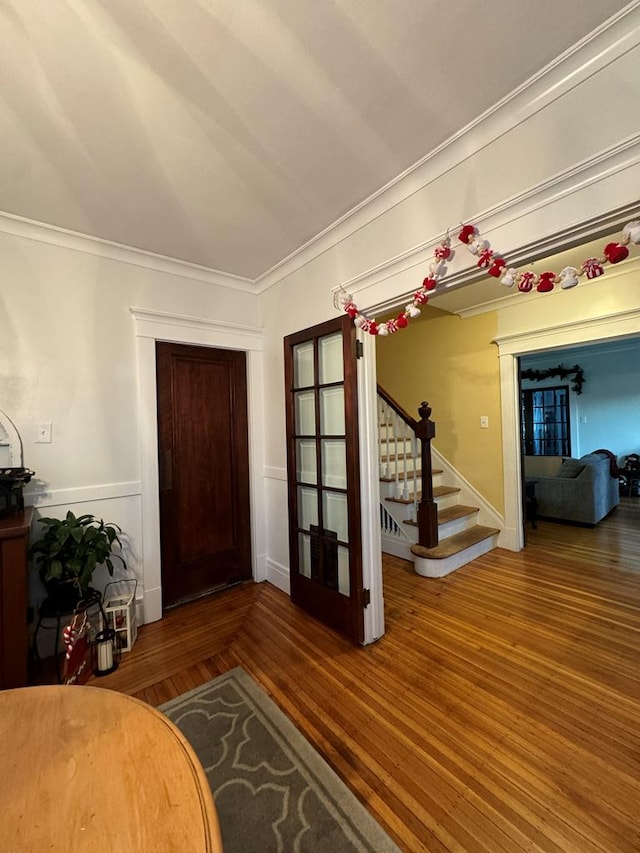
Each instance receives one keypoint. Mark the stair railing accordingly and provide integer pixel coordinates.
(427, 511)
(396, 426)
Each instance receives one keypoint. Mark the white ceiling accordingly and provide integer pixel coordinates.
(228, 133)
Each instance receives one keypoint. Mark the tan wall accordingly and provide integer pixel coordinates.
(451, 363)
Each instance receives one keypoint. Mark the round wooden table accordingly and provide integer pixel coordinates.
(84, 768)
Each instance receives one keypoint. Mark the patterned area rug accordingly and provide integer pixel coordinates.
(272, 790)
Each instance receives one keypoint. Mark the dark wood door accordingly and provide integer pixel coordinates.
(205, 528)
(324, 476)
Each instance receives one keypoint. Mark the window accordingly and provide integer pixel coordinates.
(545, 421)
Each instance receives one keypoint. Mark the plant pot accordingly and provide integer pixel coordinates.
(63, 596)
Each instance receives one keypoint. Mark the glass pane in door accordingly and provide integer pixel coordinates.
(330, 357)
(332, 411)
(305, 407)
(307, 507)
(303, 365)
(344, 584)
(304, 555)
(334, 463)
(335, 514)
(306, 465)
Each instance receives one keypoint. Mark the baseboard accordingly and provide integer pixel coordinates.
(508, 539)
(488, 514)
(278, 576)
(260, 568)
(152, 606)
(397, 547)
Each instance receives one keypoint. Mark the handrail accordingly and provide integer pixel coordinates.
(424, 431)
(397, 408)
(428, 509)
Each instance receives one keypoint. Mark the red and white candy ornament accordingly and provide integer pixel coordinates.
(494, 265)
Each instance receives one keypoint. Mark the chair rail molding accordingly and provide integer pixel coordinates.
(606, 327)
(156, 325)
(40, 496)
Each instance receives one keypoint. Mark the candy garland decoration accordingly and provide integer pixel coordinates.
(437, 270)
(495, 265)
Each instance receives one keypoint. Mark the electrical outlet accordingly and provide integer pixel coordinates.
(43, 433)
(484, 422)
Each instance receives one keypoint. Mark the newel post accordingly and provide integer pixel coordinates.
(425, 430)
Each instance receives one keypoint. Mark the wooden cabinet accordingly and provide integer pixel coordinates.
(14, 632)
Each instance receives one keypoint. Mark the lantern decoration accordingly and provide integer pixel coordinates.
(119, 608)
(106, 654)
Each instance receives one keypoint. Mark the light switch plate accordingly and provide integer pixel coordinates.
(484, 421)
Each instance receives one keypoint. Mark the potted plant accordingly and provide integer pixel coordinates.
(69, 552)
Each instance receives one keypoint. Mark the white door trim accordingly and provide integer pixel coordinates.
(370, 489)
(152, 326)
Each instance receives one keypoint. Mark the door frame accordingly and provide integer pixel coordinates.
(369, 448)
(152, 326)
(622, 324)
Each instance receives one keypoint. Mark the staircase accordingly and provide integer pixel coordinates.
(460, 538)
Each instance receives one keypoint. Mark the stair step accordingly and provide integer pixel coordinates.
(393, 457)
(402, 475)
(438, 492)
(405, 475)
(451, 513)
(454, 544)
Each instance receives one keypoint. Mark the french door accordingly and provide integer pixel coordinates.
(323, 475)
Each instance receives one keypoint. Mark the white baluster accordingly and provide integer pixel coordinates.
(406, 440)
(397, 431)
(383, 465)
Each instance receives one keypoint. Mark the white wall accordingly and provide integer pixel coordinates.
(559, 153)
(68, 355)
(563, 151)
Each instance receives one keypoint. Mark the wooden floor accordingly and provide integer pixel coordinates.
(500, 712)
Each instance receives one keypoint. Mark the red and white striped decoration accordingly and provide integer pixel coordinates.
(494, 265)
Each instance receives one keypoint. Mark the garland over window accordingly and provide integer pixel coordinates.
(561, 372)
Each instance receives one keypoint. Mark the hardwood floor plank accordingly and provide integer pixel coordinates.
(500, 711)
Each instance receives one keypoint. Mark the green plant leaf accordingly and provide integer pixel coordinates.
(55, 569)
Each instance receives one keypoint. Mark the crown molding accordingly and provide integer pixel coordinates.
(576, 179)
(570, 334)
(608, 42)
(40, 232)
(628, 267)
(611, 346)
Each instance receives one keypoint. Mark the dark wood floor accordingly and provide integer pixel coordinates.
(500, 712)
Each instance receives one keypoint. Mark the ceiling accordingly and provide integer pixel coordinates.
(228, 133)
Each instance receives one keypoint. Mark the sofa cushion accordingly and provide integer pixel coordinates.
(570, 468)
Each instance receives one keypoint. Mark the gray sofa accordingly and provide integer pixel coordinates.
(582, 490)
